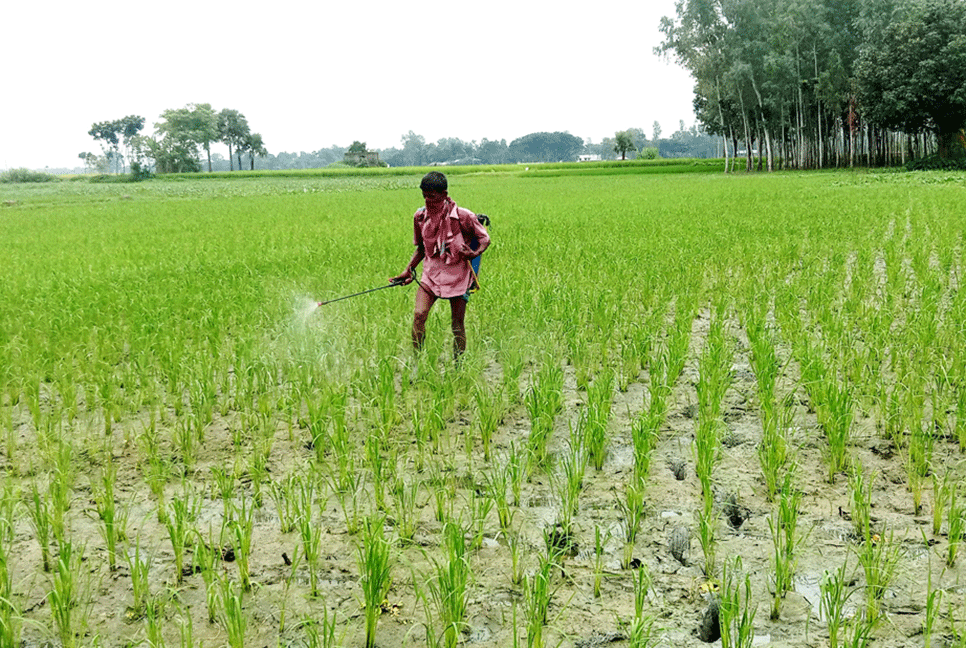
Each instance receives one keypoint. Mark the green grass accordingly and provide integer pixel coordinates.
(175, 317)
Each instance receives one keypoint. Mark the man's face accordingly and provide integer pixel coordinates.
(434, 199)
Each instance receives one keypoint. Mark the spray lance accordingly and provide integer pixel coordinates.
(397, 282)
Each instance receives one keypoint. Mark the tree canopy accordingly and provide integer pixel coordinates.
(824, 82)
(913, 78)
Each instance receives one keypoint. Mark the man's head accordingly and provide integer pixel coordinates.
(434, 181)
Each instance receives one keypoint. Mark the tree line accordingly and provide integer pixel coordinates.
(181, 136)
(415, 150)
(183, 139)
(818, 83)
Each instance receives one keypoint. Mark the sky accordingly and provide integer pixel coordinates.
(309, 75)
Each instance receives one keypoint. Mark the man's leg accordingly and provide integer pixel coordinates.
(424, 302)
(458, 311)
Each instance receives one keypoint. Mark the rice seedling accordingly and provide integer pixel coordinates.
(860, 494)
(707, 453)
(67, 607)
(224, 486)
(233, 616)
(516, 463)
(495, 482)
(600, 541)
(10, 616)
(179, 523)
(405, 505)
(594, 419)
(918, 462)
(773, 451)
(933, 601)
(139, 568)
(568, 483)
(40, 517)
(283, 493)
(511, 361)
(834, 595)
(736, 609)
(114, 521)
(879, 557)
(957, 527)
(543, 400)
(321, 633)
(241, 527)
(941, 491)
(186, 631)
(445, 597)
(640, 631)
(480, 508)
(375, 573)
(513, 541)
(154, 624)
(785, 542)
(206, 558)
(258, 462)
(644, 436)
(631, 513)
(377, 461)
(835, 412)
(708, 535)
(538, 591)
(489, 414)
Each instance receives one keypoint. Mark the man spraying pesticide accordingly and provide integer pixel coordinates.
(448, 240)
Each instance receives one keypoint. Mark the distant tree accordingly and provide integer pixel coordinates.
(113, 133)
(623, 142)
(546, 147)
(93, 162)
(414, 149)
(493, 152)
(107, 132)
(232, 130)
(357, 147)
(913, 77)
(254, 146)
(194, 124)
(656, 131)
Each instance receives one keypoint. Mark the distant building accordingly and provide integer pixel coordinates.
(362, 158)
(588, 158)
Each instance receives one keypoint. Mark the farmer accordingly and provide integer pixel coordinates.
(442, 235)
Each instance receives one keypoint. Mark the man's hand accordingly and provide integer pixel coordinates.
(402, 279)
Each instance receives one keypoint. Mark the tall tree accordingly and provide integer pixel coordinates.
(623, 142)
(232, 130)
(255, 147)
(914, 78)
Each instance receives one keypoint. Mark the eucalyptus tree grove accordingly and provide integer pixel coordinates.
(816, 83)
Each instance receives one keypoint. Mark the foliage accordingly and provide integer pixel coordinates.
(26, 175)
(912, 76)
(114, 133)
(623, 142)
(822, 82)
(546, 147)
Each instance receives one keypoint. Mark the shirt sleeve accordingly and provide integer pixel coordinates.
(417, 229)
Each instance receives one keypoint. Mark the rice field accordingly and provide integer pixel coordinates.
(694, 407)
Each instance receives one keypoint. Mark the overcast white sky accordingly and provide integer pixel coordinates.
(309, 75)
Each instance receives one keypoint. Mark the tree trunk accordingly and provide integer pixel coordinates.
(231, 159)
(764, 128)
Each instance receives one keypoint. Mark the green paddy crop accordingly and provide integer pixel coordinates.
(164, 362)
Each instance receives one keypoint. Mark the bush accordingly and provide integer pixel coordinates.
(956, 161)
(648, 153)
(26, 175)
(140, 172)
